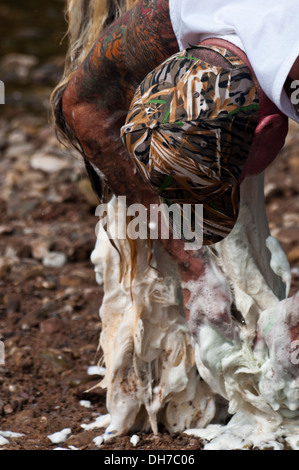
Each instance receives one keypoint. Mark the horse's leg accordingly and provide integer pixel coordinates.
(151, 375)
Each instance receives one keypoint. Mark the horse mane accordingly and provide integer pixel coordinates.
(85, 20)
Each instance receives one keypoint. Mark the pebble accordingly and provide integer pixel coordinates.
(48, 163)
(195, 443)
(54, 259)
(8, 409)
(19, 150)
(40, 249)
(16, 137)
(50, 326)
(43, 420)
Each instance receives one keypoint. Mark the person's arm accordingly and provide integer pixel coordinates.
(97, 98)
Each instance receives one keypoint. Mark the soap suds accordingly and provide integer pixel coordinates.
(60, 436)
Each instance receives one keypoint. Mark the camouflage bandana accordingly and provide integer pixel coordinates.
(189, 130)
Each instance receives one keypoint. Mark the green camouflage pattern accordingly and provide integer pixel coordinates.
(189, 131)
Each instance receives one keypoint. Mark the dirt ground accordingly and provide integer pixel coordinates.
(49, 300)
(49, 319)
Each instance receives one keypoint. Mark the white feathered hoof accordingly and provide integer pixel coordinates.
(151, 374)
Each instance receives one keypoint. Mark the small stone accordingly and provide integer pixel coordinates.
(48, 163)
(41, 249)
(16, 137)
(50, 285)
(50, 326)
(195, 443)
(54, 259)
(8, 409)
(19, 150)
(43, 420)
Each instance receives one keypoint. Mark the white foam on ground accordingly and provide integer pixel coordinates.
(134, 440)
(86, 403)
(60, 436)
(3, 441)
(5, 435)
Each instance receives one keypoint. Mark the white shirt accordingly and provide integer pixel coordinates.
(266, 30)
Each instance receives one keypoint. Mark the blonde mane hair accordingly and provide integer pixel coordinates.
(86, 19)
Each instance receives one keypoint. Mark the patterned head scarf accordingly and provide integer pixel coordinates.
(189, 131)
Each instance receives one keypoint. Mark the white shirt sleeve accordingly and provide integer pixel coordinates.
(267, 31)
